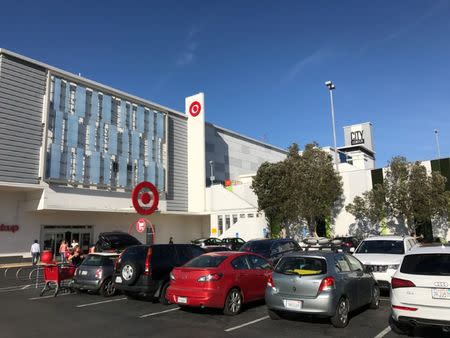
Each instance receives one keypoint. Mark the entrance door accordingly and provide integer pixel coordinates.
(53, 235)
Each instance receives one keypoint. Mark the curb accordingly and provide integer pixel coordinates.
(17, 265)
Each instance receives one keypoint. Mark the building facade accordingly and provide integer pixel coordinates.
(72, 149)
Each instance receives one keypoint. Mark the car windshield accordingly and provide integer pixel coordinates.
(121, 241)
(381, 247)
(303, 266)
(426, 264)
(262, 247)
(206, 261)
(93, 260)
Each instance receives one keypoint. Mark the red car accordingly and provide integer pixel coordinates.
(222, 280)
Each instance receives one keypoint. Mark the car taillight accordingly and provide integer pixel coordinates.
(147, 261)
(326, 284)
(210, 278)
(98, 273)
(270, 282)
(347, 244)
(401, 283)
(117, 262)
(404, 308)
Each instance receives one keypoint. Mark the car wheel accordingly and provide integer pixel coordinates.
(340, 317)
(375, 300)
(108, 289)
(399, 328)
(129, 272)
(274, 315)
(162, 296)
(233, 303)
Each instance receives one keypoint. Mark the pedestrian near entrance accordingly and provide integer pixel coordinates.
(171, 240)
(74, 244)
(63, 248)
(77, 257)
(35, 252)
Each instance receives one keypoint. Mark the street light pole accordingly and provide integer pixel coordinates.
(211, 167)
(436, 133)
(331, 87)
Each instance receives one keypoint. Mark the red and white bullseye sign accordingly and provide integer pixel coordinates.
(195, 108)
(145, 198)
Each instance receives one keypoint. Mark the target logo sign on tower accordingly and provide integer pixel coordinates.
(145, 198)
(195, 108)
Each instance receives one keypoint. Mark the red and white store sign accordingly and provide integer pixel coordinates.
(141, 225)
(9, 228)
(195, 108)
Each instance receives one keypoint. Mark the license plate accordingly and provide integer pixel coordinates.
(84, 272)
(440, 293)
(182, 300)
(118, 279)
(293, 304)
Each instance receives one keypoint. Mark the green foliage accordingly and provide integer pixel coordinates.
(408, 193)
(302, 188)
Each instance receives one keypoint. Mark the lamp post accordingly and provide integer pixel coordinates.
(436, 133)
(332, 87)
(211, 168)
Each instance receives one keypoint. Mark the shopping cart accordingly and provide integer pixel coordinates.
(54, 275)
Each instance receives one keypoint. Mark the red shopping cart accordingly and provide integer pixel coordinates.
(55, 274)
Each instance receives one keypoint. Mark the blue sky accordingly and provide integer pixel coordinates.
(261, 64)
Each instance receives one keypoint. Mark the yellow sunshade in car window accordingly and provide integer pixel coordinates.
(303, 272)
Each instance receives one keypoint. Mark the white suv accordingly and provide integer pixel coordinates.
(383, 255)
(421, 290)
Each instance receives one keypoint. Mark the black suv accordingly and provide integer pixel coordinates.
(144, 270)
(114, 241)
(272, 249)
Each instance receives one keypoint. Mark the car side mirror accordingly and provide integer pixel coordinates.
(352, 250)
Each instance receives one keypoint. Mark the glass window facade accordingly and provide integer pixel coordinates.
(99, 139)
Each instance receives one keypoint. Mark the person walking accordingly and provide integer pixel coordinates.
(171, 240)
(74, 244)
(35, 252)
(63, 248)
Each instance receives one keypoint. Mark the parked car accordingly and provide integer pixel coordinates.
(224, 280)
(384, 254)
(95, 274)
(216, 248)
(234, 243)
(115, 241)
(347, 243)
(420, 293)
(203, 242)
(327, 284)
(143, 270)
(271, 249)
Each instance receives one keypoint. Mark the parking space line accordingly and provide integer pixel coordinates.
(383, 333)
(157, 313)
(246, 324)
(51, 296)
(102, 302)
(18, 288)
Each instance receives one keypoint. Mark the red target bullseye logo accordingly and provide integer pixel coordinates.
(145, 198)
(195, 108)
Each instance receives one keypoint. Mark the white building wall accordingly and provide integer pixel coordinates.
(183, 228)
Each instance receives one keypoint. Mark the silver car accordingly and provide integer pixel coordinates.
(327, 284)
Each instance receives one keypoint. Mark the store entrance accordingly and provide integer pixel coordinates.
(53, 235)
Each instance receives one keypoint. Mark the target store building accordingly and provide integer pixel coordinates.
(72, 150)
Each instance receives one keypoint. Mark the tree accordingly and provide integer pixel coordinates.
(304, 188)
(408, 194)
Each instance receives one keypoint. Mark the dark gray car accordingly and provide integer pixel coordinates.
(95, 274)
(328, 284)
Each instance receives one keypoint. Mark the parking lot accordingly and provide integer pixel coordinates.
(26, 314)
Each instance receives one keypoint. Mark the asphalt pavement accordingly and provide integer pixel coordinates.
(26, 314)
